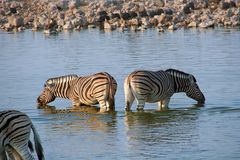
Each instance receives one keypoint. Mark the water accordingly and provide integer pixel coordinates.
(186, 131)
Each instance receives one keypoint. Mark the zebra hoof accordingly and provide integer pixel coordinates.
(127, 109)
(139, 109)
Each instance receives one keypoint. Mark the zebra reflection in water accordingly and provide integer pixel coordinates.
(99, 88)
(149, 86)
(15, 144)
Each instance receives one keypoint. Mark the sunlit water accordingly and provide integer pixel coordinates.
(186, 131)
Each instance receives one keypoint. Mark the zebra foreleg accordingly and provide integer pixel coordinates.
(76, 102)
(163, 105)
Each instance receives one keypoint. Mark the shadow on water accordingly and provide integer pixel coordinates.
(79, 118)
(150, 129)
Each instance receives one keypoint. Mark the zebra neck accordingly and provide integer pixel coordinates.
(62, 91)
(180, 85)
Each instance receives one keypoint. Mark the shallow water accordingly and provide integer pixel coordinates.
(186, 131)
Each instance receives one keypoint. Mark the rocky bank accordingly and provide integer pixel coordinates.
(52, 16)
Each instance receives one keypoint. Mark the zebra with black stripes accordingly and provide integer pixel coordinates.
(15, 130)
(149, 86)
(99, 88)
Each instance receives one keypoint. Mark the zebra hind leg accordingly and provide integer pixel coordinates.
(140, 104)
(129, 98)
(3, 155)
(14, 154)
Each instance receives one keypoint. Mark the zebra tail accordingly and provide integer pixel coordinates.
(38, 146)
(129, 97)
(110, 94)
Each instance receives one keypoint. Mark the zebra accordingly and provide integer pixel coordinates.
(99, 88)
(159, 86)
(15, 144)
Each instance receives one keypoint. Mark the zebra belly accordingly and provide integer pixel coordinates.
(154, 98)
(89, 102)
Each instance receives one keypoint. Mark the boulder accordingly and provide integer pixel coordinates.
(188, 8)
(68, 25)
(192, 24)
(16, 21)
(206, 24)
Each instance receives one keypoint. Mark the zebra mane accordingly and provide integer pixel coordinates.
(179, 74)
(61, 79)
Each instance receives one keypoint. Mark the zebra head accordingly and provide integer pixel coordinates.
(47, 95)
(184, 82)
(55, 87)
(194, 91)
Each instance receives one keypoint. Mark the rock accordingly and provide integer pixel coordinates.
(225, 5)
(153, 13)
(187, 9)
(235, 20)
(8, 27)
(133, 14)
(13, 10)
(107, 26)
(160, 29)
(115, 15)
(2, 12)
(229, 13)
(162, 18)
(52, 6)
(20, 29)
(63, 4)
(168, 11)
(206, 24)
(172, 27)
(68, 26)
(72, 5)
(125, 16)
(192, 24)
(102, 16)
(91, 26)
(16, 21)
(133, 22)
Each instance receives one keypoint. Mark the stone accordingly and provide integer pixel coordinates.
(192, 24)
(107, 25)
(225, 5)
(172, 27)
(206, 24)
(16, 21)
(187, 9)
(68, 25)
(168, 11)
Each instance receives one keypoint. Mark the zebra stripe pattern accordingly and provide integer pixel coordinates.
(15, 129)
(149, 86)
(99, 88)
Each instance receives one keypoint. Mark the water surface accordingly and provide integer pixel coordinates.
(186, 131)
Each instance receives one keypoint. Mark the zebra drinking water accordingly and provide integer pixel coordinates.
(99, 88)
(149, 86)
(15, 144)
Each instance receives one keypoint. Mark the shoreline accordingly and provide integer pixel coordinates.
(52, 16)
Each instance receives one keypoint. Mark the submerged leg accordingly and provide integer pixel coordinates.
(76, 102)
(140, 104)
(129, 97)
(163, 105)
(19, 153)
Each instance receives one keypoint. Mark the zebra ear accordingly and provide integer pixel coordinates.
(49, 84)
(192, 79)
